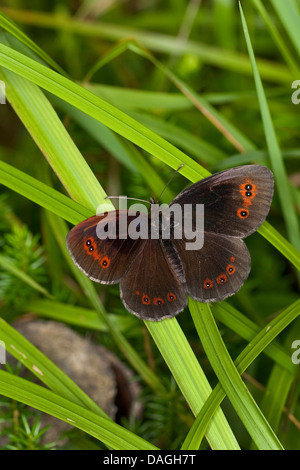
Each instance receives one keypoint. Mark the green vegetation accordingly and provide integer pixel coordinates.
(111, 101)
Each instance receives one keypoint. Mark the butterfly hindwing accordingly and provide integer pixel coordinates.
(154, 285)
(216, 271)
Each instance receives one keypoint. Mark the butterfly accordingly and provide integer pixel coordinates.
(156, 274)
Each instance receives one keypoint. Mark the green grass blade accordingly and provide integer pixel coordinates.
(43, 368)
(79, 316)
(101, 428)
(162, 43)
(280, 243)
(294, 67)
(190, 378)
(288, 13)
(42, 194)
(230, 379)
(281, 380)
(100, 133)
(7, 24)
(101, 111)
(142, 100)
(275, 396)
(204, 152)
(247, 329)
(277, 165)
(230, 132)
(35, 110)
(261, 341)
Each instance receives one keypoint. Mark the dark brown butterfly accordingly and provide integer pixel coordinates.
(156, 274)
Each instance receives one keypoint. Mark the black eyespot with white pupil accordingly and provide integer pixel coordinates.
(89, 244)
(248, 187)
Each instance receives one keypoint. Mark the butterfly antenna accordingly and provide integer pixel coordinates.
(125, 197)
(175, 172)
(143, 200)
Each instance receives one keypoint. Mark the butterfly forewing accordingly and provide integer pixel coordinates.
(236, 201)
(103, 260)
